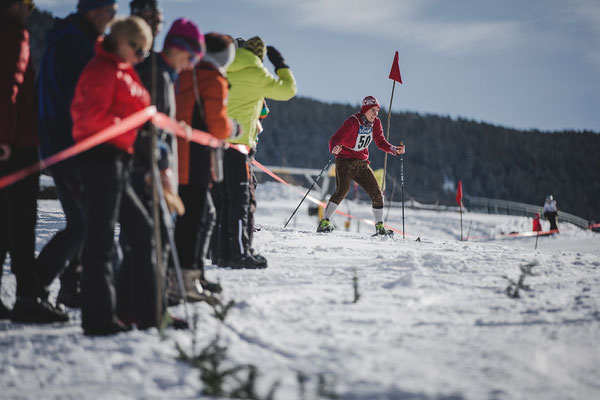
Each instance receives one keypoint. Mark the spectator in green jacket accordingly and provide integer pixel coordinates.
(250, 82)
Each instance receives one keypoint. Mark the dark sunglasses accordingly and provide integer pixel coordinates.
(139, 51)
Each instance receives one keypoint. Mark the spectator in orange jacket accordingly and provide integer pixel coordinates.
(19, 149)
(201, 102)
(109, 90)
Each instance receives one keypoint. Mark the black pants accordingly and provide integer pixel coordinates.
(251, 206)
(552, 216)
(234, 207)
(18, 215)
(193, 229)
(108, 198)
(64, 249)
(214, 250)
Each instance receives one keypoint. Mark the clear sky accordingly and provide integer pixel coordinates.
(528, 64)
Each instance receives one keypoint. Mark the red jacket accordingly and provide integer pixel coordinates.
(108, 90)
(355, 138)
(213, 89)
(537, 226)
(18, 115)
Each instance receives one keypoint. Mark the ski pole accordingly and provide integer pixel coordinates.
(170, 228)
(469, 231)
(311, 187)
(387, 214)
(402, 191)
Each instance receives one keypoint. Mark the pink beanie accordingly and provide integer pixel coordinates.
(367, 103)
(185, 35)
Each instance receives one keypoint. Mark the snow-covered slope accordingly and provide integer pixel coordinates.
(433, 319)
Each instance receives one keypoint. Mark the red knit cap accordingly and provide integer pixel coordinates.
(367, 103)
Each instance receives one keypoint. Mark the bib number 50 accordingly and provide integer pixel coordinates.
(363, 141)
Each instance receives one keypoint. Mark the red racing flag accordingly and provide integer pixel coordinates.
(395, 71)
(459, 194)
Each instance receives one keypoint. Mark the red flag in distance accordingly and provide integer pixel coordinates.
(459, 193)
(395, 71)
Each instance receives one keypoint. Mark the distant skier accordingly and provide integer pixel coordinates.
(350, 144)
(551, 212)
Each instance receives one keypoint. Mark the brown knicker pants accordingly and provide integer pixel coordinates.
(352, 169)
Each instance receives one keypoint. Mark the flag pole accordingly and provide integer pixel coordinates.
(396, 77)
(389, 117)
(459, 197)
(461, 225)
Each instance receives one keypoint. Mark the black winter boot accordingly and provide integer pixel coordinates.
(116, 326)
(247, 261)
(4, 312)
(37, 310)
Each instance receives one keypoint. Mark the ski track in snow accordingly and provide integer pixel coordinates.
(433, 320)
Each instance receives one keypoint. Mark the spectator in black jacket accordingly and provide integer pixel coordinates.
(162, 68)
(69, 47)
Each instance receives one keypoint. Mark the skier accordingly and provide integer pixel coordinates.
(350, 145)
(551, 212)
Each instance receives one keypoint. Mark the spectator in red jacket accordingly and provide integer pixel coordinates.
(350, 144)
(18, 149)
(109, 90)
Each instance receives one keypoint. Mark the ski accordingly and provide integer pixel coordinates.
(387, 234)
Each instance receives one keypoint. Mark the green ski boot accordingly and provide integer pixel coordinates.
(381, 231)
(324, 226)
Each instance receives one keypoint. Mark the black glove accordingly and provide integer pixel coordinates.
(276, 58)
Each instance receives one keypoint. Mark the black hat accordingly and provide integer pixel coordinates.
(215, 42)
(141, 6)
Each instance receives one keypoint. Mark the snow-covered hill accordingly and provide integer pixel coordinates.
(433, 319)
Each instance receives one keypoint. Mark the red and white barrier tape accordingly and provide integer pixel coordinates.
(134, 121)
(530, 234)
